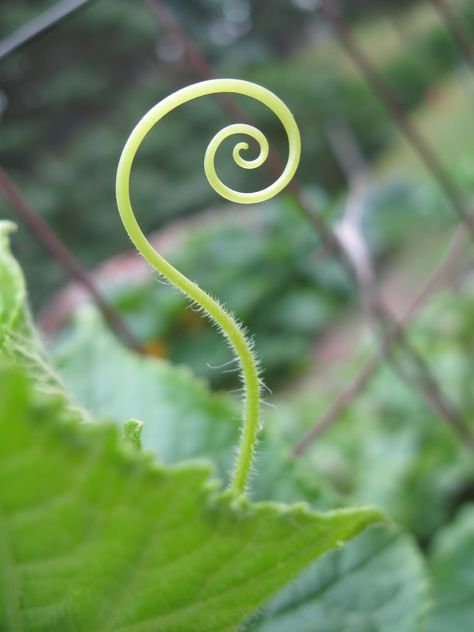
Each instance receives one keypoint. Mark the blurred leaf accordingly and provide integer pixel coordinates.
(181, 418)
(377, 583)
(452, 568)
(388, 449)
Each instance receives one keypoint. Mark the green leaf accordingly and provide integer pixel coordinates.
(377, 583)
(96, 536)
(19, 342)
(12, 296)
(452, 568)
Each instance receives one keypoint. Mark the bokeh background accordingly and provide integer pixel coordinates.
(356, 284)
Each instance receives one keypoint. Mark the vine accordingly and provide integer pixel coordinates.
(230, 328)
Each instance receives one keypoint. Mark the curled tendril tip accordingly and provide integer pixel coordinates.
(239, 342)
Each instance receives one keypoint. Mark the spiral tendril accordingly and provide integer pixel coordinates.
(225, 321)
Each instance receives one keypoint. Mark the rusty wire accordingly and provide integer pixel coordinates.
(56, 247)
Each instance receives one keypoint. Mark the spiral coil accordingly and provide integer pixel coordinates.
(228, 325)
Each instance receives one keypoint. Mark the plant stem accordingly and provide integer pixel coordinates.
(216, 312)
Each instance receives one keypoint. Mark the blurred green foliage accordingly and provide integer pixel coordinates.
(71, 97)
(452, 560)
(389, 448)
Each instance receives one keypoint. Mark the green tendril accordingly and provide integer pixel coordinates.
(225, 321)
